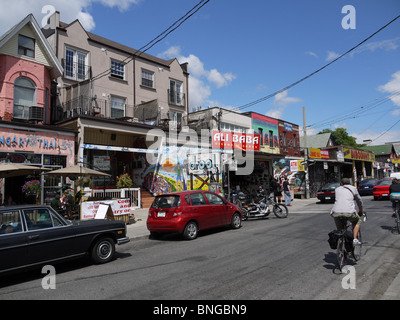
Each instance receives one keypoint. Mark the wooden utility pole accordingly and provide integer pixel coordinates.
(307, 182)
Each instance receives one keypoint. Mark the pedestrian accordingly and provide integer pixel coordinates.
(394, 188)
(286, 191)
(63, 203)
(277, 188)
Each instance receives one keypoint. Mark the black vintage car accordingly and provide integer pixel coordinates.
(37, 235)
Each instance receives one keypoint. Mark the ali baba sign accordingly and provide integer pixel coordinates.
(235, 140)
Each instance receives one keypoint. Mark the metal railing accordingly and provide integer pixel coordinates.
(127, 193)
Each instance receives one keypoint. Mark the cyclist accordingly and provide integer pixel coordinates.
(345, 197)
(394, 188)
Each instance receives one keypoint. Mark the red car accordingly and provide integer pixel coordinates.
(187, 212)
(381, 188)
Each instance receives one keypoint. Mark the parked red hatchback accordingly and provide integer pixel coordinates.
(187, 212)
(381, 188)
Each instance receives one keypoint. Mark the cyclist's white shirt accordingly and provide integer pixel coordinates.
(344, 199)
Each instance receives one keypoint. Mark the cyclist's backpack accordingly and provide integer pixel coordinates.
(333, 239)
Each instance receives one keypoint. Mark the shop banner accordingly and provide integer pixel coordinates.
(118, 207)
(235, 140)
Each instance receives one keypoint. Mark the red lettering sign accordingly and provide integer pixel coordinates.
(235, 140)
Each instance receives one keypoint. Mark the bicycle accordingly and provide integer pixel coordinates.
(395, 197)
(344, 248)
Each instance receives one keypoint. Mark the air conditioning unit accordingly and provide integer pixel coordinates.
(36, 113)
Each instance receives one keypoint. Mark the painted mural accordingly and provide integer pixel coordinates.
(172, 173)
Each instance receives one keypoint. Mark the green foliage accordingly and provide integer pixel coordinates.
(341, 137)
(124, 181)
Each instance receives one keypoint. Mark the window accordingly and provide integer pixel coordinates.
(117, 107)
(76, 64)
(271, 139)
(260, 132)
(147, 78)
(214, 199)
(26, 46)
(24, 97)
(175, 119)
(284, 139)
(117, 69)
(176, 95)
(10, 222)
(40, 219)
(197, 199)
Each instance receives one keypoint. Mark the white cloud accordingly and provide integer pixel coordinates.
(201, 79)
(387, 45)
(389, 136)
(13, 12)
(332, 56)
(282, 99)
(275, 113)
(313, 54)
(393, 88)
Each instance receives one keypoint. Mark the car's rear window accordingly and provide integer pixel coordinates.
(168, 201)
(384, 183)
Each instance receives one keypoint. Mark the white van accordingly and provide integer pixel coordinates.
(395, 175)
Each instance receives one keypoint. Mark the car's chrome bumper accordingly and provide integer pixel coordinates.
(123, 240)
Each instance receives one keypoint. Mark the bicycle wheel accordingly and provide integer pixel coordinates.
(341, 254)
(356, 253)
(397, 218)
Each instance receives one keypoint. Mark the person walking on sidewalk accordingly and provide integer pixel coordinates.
(286, 191)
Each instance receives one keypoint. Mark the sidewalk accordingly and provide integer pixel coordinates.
(139, 228)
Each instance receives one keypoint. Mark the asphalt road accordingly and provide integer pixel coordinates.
(266, 259)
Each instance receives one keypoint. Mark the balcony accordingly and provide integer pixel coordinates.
(84, 105)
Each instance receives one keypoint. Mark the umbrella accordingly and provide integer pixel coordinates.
(78, 171)
(9, 169)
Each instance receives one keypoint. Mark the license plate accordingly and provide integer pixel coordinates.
(329, 198)
(161, 214)
(384, 194)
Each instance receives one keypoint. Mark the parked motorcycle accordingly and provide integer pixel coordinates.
(261, 206)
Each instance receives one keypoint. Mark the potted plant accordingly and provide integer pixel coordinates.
(124, 181)
(32, 188)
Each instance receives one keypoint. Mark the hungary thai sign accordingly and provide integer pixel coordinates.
(235, 140)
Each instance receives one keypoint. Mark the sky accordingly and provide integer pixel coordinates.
(241, 51)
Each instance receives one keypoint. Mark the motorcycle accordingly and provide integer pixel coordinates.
(262, 206)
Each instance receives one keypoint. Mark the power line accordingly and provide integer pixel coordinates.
(356, 113)
(158, 38)
(250, 104)
(386, 131)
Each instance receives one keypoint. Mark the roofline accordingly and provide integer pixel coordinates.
(30, 18)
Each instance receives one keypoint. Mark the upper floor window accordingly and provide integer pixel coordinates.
(147, 78)
(76, 64)
(117, 69)
(26, 46)
(117, 107)
(176, 95)
(24, 97)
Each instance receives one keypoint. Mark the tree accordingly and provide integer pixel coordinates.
(341, 137)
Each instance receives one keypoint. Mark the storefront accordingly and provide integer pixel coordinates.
(36, 145)
(333, 163)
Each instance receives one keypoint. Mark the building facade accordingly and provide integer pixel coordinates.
(28, 69)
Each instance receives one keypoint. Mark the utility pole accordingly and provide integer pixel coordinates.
(307, 186)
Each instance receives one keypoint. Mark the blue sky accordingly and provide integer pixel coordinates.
(240, 51)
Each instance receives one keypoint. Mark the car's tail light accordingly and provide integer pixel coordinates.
(177, 212)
